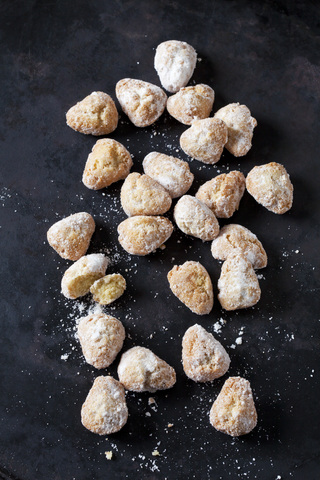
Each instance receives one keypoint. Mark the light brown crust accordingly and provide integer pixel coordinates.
(142, 234)
(175, 62)
(205, 140)
(140, 370)
(96, 115)
(171, 172)
(238, 284)
(105, 410)
(234, 412)
(240, 127)
(108, 162)
(142, 195)
(204, 358)
(223, 193)
(108, 288)
(141, 101)
(235, 236)
(195, 218)
(191, 103)
(101, 338)
(191, 283)
(270, 185)
(70, 237)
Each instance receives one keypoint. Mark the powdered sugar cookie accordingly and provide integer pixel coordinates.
(191, 103)
(195, 218)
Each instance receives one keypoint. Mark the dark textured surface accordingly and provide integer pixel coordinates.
(53, 53)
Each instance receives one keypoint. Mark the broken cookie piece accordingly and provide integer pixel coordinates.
(195, 218)
(191, 103)
(108, 288)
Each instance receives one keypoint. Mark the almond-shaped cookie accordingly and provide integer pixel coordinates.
(238, 284)
(234, 236)
(171, 172)
(204, 358)
(101, 338)
(142, 195)
(78, 278)
(141, 101)
(205, 140)
(270, 185)
(175, 62)
(140, 370)
(108, 288)
(191, 103)
(96, 115)
(195, 218)
(223, 193)
(234, 412)
(192, 284)
(70, 237)
(105, 410)
(143, 234)
(240, 127)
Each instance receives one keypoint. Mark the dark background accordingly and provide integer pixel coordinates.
(54, 53)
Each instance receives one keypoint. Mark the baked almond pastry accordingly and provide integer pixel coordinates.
(171, 172)
(205, 140)
(101, 338)
(191, 103)
(175, 62)
(195, 218)
(143, 102)
(96, 115)
(270, 185)
(108, 162)
(223, 193)
(191, 283)
(204, 358)
(105, 410)
(140, 370)
(142, 195)
(234, 412)
(143, 234)
(78, 278)
(232, 237)
(240, 127)
(238, 284)
(70, 237)
(108, 289)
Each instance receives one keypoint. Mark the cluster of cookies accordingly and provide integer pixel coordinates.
(145, 198)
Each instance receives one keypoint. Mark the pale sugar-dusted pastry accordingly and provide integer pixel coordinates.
(108, 289)
(234, 412)
(101, 338)
(205, 140)
(96, 114)
(235, 236)
(143, 234)
(70, 237)
(223, 193)
(140, 370)
(191, 103)
(142, 195)
(240, 127)
(270, 185)
(191, 283)
(105, 409)
(78, 278)
(171, 172)
(204, 358)
(175, 62)
(143, 102)
(238, 284)
(108, 162)
(195, 218)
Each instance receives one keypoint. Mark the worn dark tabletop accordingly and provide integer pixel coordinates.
(53, 53)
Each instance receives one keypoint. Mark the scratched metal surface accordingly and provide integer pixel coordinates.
(262, 54)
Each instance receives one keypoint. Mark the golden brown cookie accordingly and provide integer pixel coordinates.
(195, 218)
(108, 288)
(234, 412)
(191, 103)
(70, 237)
(96, 114)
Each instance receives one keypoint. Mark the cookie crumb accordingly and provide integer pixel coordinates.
(108, 455)
(155, 453)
